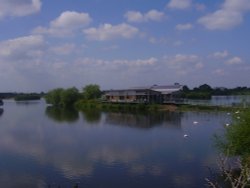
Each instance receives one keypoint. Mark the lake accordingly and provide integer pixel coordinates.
(231, 100)
(45, 147)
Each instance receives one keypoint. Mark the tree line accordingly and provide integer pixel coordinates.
(68, 97)
(205, 91)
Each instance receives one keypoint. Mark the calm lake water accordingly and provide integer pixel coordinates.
(232, 100)
(45, 147)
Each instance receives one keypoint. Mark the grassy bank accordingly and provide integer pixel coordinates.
(94, 104)
(234, 144)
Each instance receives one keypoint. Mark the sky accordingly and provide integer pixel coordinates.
(46, 44)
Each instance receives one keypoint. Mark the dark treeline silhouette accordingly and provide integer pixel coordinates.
(205, 91)
(9, 95)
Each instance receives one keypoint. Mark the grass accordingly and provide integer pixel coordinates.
(95, 104)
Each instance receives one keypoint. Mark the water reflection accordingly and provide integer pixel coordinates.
(1, 111)
(92, 116)
(146, 120)
(69, 115)
(109, 155)
(28, 102)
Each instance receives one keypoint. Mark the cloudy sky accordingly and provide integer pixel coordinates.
(46, 44)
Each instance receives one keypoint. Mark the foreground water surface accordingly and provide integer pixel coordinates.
(45, 147)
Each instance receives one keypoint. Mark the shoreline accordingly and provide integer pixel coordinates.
(83, 105)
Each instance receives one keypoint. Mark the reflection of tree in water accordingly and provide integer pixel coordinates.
(62, 114)
(29, 102)
(1, 111)
(92, 115)
(146, 120)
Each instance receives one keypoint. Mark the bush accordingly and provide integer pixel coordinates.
(236, 139)
(62, 97)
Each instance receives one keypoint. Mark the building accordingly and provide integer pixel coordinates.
(151, 94)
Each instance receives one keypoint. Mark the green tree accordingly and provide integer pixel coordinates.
(54, 96)
(69, 97)
(185, 89)
(205, 88)
(91, 91)
(62, 97)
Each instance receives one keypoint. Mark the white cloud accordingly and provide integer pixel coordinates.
(179, 4)
(111, 48)
(234, 61)
(178, 43)
(199, 65)
(21, 63)
(108, 32)
(65, 24)
(221, 54)
(181, 58)
(184, 64)
(230, 15)
(136, 16)
(219, 72)
(19, 8)
(154, 40)
(237, 5)
(64, 49)
(138, 62)
(118, 62)
(200, 7)
(221, 19)
(154, 15)
(182, 27)
(22, 48)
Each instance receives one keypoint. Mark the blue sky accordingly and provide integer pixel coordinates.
(46, 44)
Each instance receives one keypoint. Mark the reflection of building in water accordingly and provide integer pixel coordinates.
(145, 121)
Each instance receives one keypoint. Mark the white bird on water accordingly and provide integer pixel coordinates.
(227, 124)
(195, 122)
(185, 135)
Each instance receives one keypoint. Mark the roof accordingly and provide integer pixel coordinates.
(163, 89)
(167, 89)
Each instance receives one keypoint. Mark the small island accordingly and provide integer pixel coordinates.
(27, 97)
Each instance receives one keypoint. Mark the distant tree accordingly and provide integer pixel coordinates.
(54, 96)
(205, 88)
(91, 91)
(69, 97)
(62, 97)
(185, 89)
